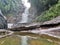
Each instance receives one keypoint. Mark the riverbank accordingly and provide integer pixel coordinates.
(4, 33)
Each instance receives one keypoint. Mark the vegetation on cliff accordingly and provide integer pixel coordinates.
(46, 9)
(10, 6)
(42, 5)
(11, 9)
(53, 12)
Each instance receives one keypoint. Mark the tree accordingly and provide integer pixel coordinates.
(42, 5)
(10, 6)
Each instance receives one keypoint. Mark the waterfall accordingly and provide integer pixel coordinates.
(10, 25)
(26, 12)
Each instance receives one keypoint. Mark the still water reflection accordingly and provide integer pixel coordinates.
(24, 40)
(29, 39)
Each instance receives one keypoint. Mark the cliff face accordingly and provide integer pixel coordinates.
(3, 21)
(53, 21)
(36, 9)
(32, 12)
(42, 5)
(14, 18)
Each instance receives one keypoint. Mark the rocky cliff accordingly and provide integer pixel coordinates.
(14, 18)
(3, 21)
(39, 7)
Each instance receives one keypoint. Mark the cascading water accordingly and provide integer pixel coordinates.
(26, 12)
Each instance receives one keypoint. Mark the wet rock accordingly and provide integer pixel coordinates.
(3, 21)
(53, 21)
(23, 27)
(4, 33)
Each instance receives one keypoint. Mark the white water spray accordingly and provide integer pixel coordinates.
(26, 12)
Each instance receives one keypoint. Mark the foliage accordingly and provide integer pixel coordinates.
(42, 5)
(10, 6)
(53, 12)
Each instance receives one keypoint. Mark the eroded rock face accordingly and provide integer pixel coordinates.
(16, 17)
(32, 15)
(3, 21)
(53, 21)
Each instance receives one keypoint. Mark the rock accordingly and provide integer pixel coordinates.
(33, 14)
(23, 27)
(53, 21)
(4, 33)
(16, 17)
(3, 21)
